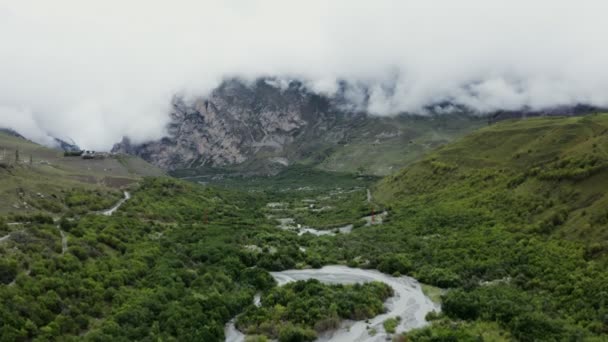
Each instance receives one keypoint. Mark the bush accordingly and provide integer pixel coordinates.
(395, 263)
(291, 333)
(536, 326)
(460, 304)
(390, 325)
(440, 277)
(8, 271)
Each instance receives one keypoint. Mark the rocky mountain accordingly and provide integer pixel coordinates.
(67, 145)
(235, 123)
(11, 132)
(262, 127)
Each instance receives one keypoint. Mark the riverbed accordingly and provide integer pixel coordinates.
(408, 302)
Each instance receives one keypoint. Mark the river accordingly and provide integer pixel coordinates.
(408, 302)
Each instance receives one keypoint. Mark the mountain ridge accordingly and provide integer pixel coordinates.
(262, 127)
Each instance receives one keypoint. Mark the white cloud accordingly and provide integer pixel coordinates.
(97, 70)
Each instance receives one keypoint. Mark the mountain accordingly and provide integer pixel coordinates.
(67, 146)
(263, 127)
(11, 132)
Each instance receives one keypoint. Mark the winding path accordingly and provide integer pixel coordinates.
(5, 237)
(64, 236)
(111, 211)
(64, 240)
(409, 302)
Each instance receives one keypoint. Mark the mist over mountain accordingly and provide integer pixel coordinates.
(98, 71)
(268, 124)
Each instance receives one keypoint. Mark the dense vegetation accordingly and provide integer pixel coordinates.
(511, 220)
(156, 269)
(313, 307)
(513, 215)
(290, 180)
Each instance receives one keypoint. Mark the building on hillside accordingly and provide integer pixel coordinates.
(93, 155)
(87, 154)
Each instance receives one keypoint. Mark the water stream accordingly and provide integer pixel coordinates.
(408, 302)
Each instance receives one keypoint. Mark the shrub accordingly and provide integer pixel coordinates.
(291, 333)
(390, 325)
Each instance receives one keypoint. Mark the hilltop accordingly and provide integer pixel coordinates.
(42, 178)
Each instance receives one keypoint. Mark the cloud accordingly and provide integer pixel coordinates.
(97, 70)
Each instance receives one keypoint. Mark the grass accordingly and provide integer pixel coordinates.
(490, 332)
(434, 293)
(384, 145)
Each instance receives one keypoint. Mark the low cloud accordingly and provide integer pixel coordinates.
(95, 71)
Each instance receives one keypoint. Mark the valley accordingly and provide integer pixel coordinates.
(303, 171)
(478, 239)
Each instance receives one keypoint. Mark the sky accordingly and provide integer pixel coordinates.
(97, 70)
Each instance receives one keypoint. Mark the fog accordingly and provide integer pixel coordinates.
(95, 71)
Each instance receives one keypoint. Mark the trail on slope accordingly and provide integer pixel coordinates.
(111, 211)
(64, 240)
(5, 237)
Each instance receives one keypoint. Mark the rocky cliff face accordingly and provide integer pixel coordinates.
(237, 123)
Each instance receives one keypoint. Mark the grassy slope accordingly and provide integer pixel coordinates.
(548, 175)
(384, 145)
(50, 173)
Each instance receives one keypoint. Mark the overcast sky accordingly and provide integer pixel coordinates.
(96, 70)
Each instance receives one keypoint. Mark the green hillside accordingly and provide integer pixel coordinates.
(383, 145)
(513, 218)
(546, 175)
(43, 178)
